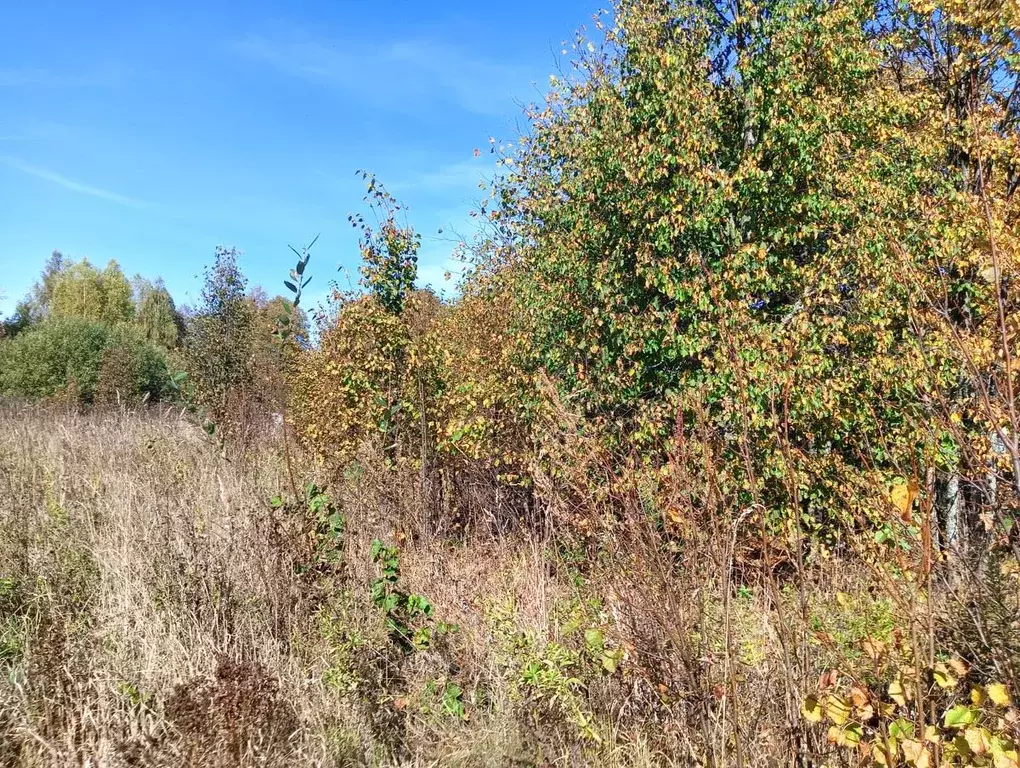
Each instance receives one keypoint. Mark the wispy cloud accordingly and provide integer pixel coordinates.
(401, 75)
(71, 184)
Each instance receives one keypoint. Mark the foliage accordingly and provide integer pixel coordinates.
(291, 321)
(549, 676)
(19, 321)
(408, 615)
(744, 312)
(733, 225)
(369, 378)
(322, 528)
(485, 401)
(218, 348)
(33, 308)
(157, 315)
(881, 710)
(80, 290)
(350, 389)
(87, 356)
(236, 358)
(435, 385)
(116, 376)
(389, 252)
(372, 379)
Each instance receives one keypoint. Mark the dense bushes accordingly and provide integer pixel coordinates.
(234, 359)
(744, 228)
(436, 386)
(95, 336)
(360, 383)
(761, 238)
(748, 300)
(90, 335)
(81, 358)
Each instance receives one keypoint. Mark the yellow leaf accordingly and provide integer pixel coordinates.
(1004, 752)
(880, 755)
(811, 709)
(977, 695)
(978, 739)
(852, 735)
(837, 709)
(1005, 761)
(903, 495)
(900, 496)
(896, 692)
(999, 695)
(943, 677)
(916, 753)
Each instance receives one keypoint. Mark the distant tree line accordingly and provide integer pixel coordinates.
(94, 336)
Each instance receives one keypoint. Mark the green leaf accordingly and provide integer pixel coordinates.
(901, 728)
(611, 660)
(594, 639)
(960, 716)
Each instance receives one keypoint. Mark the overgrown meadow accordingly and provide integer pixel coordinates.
(713, 460)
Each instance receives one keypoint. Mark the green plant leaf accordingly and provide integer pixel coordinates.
(960, 716)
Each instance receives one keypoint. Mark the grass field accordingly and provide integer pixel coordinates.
(158, 608)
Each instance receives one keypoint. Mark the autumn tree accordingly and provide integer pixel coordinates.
(218, 348)
(710, 225)
(81, 290)
(156, 313)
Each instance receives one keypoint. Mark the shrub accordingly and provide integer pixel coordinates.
(352, 389)
(87, 356)
(734, 225)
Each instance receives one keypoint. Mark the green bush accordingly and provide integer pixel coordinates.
(69, 352)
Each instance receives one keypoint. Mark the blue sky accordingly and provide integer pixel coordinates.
(151, 132)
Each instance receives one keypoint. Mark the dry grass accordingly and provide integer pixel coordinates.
(155, 609)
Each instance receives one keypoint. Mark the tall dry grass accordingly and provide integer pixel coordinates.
(153, 612)
(156, 609)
